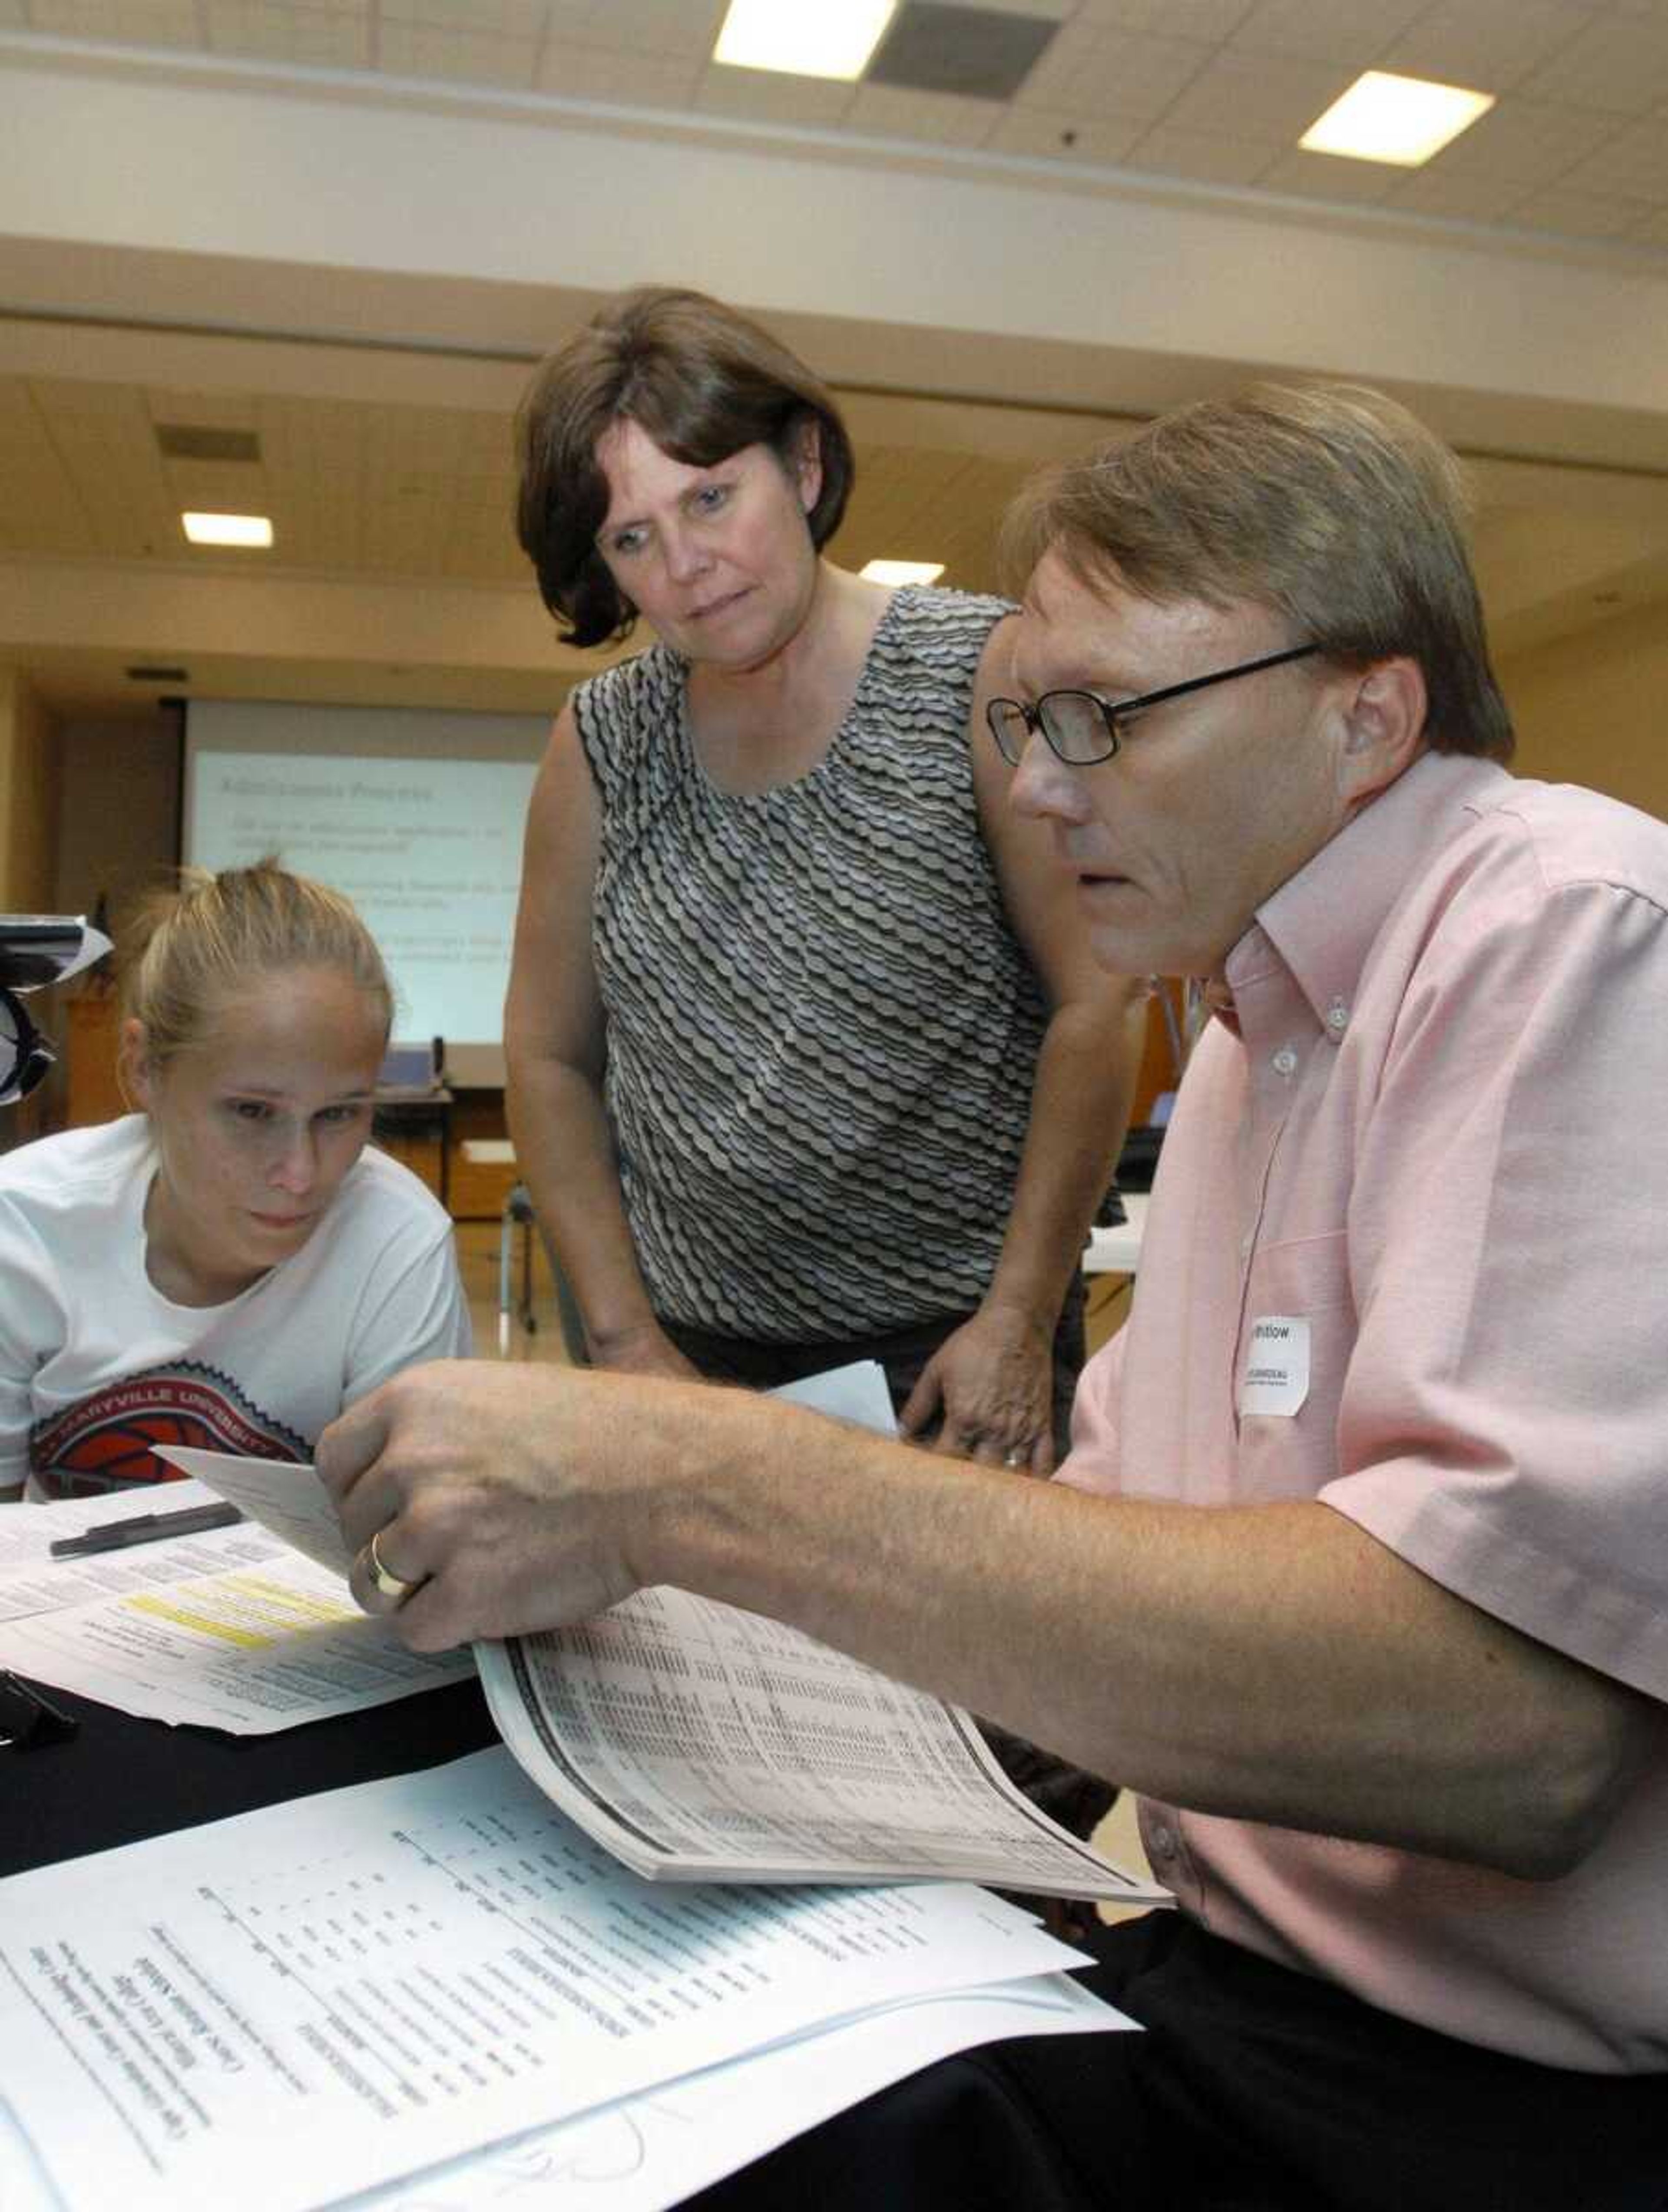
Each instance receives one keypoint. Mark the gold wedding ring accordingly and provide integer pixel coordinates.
(395, 1588)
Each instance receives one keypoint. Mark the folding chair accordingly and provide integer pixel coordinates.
(519, 1216)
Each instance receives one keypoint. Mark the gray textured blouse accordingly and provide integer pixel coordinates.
(820, 1032)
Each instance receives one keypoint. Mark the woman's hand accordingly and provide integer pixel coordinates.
(994, 1381)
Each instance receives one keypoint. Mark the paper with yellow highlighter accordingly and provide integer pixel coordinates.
(264, 1639)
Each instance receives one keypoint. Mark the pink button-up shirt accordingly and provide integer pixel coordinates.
(1428, 1149)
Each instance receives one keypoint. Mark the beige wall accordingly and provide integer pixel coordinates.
(29, 798)
(1593, 709)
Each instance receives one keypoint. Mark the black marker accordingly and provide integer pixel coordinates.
(145, 1529)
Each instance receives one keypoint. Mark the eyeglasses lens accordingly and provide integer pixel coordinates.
(1010, 728)
(1075, 724)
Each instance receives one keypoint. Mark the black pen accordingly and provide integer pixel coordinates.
(145, 1529)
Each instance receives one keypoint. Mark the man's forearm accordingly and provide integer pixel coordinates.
(1272, 1663)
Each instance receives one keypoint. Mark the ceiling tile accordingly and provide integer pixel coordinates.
(1112, 73)
(1454, 194)
(1531, 142)
(1330, 177)
(1651, 229)
(1211, 21)
(1259, 96)
(887, 111)
(1052, 11)
(1631, 165)
(422, 50)
(1351, 32)
(771, 95)
(496, 19)
(1062, 137)
(626, 79)
(1616, 62)
(651, 27)
(213, 410)
(130, 22)
(317, 38)
(1489, 44)
(1208, 157)
(1579, 215)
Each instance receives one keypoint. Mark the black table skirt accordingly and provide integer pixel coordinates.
(120, 1780)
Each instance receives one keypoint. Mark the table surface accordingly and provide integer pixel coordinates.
(122, 1779)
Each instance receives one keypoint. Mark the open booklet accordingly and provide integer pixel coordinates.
(699, 1742)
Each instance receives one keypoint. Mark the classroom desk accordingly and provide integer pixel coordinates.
(413, 1120)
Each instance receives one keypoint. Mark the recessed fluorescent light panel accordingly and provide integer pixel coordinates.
(1404, 119)
(227, 529)
(834, 37)
(903, 572)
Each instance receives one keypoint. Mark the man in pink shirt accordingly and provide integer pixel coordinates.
(1357, 1569)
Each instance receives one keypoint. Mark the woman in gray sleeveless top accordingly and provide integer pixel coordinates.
(807, 1059)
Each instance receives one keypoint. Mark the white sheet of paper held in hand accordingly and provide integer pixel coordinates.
(315, 1999)
(291, 1501)
(281, 1495)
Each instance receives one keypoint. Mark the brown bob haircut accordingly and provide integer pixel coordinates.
(1327, 504)
(703, 382)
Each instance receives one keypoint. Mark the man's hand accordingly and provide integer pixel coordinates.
(460, 1472)
(994, 1379)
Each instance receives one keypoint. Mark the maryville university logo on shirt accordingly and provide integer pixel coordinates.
(105, 1441)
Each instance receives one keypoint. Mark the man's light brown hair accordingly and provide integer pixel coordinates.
(1328, 504)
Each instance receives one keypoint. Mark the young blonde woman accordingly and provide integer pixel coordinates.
(230, 1265)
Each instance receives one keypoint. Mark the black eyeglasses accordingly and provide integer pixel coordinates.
(1083, 728)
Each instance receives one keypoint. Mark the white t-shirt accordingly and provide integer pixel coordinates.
(96, 1365)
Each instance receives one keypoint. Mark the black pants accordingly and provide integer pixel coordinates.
(902, 1352)
(1251, 2089)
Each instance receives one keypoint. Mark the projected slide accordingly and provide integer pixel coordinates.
(429, 850)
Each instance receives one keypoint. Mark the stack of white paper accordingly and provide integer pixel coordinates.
(284, 2010)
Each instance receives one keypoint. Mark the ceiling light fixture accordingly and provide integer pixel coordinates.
(1403, 119)
(227, 529)
(833, 40)
(903, 572)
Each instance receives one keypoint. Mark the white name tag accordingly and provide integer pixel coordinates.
(1276, 1376)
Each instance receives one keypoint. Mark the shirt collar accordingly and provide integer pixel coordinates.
(1322, 923)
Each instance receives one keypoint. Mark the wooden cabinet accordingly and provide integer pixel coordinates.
(88, 1023)
(477, 1191)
